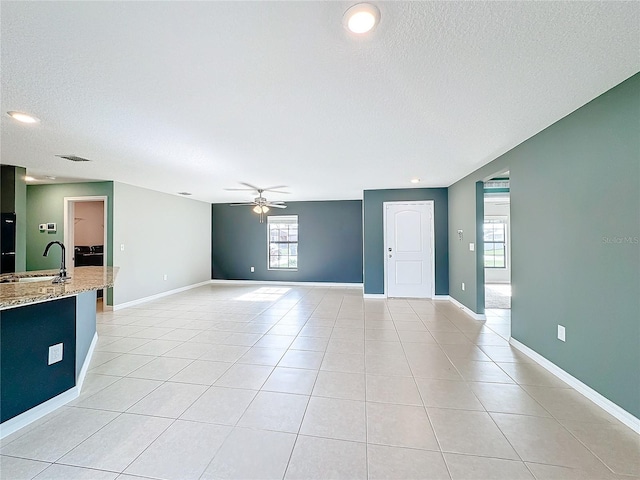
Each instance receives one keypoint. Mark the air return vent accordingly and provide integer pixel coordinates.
(74, 158)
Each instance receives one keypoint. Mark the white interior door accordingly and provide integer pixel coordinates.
(409, 249)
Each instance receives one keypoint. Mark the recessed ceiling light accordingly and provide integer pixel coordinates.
(415, 180)
(186, 194)
(29, 179)
(23, 117)
(361, 18)
(50, 177)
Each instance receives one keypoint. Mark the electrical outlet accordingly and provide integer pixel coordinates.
(253, 269)
(463, 286)
(165, 276)
(122, 247)
(55, 353)
(561, 333)
(472, 247)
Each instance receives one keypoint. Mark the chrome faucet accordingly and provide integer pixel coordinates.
(63, 270)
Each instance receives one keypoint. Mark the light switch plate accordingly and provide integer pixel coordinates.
(561, 333)
(472, 247)
(55, 353)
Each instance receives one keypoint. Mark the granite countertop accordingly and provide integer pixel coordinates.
(83, 279)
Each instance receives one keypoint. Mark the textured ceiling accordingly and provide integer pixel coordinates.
(197, 96)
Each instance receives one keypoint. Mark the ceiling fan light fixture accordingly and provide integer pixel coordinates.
(257, 209)
(265, 209)
(361, 18)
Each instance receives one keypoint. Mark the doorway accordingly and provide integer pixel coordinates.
(408, 249)
(497, 253)
(85, 232)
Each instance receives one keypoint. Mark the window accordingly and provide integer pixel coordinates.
(283, 242)
(495, 241)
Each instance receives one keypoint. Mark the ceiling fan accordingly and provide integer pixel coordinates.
(260, 203)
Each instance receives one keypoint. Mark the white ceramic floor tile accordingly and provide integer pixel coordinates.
(291, 380)
(67, 472)
(182, 452)
(302, 359)
(13, 468)
(118, 444)
(201, 372)
(335, 418)
(447, 394)
(245, 376)
(472, 433)
(400, 390)
(269, 454)
(349, 386)
(220, 405)
(161, 368)
(405, 463)
(262, 356)
(281, 412)
(169, 400)
(400, 426)
(329, 459)
(58, 436)
(120, 395)
(467, 467)
(123, 365)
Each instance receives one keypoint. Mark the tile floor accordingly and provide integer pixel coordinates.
(252, 382)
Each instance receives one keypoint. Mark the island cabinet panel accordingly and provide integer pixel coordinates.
(26, 333)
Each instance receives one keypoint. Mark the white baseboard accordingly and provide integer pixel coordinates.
(441, 297)
(297, 284)
(607, 405)
(159, 295)
(37, 412)
(467, 310)
(374, 295)
(87, 361)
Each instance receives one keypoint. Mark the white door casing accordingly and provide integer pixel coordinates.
(408, 250)
(69, 223)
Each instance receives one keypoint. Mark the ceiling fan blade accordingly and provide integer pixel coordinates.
(252, 187)
(239, 189)
(276, 189)
(275, 205)
(278, 202)
(242, 204)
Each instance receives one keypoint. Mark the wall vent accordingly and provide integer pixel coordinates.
(74, 158)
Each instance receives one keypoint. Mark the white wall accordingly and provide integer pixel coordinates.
(499, 275)
(89, 223)
(162, 235)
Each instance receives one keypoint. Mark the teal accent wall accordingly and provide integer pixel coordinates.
(330, 242)
(374, 234)
(575, 242)
(45, 203)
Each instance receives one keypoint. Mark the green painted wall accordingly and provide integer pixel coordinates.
(45, 203)
(575, 231)
(330, 243)
(373, 248)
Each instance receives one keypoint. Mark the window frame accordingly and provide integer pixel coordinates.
(493, 220)
(283, 219)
